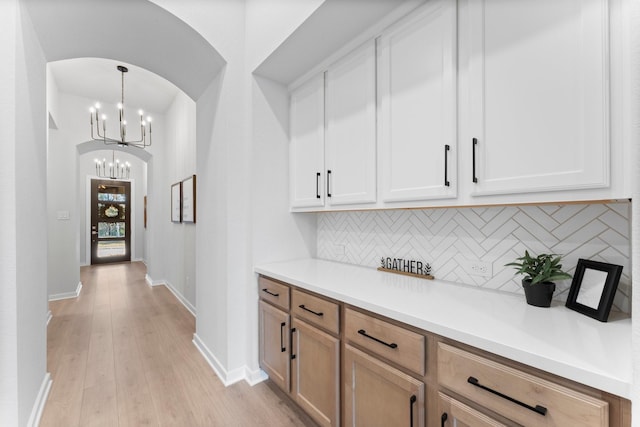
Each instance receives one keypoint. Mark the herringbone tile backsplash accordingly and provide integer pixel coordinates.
(450, 238)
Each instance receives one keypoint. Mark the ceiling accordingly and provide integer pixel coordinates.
(98, 79)
(134, 31)
(332, 26)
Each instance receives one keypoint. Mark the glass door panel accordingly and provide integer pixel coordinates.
(110, 223)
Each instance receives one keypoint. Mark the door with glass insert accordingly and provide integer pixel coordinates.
(110, 221)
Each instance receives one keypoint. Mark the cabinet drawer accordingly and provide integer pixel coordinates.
(274, 292)
(395, 343)
(516, 395)
(320, 312)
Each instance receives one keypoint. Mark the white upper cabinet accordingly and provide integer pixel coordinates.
(417, 105)
(470, 102)
(538, 92)
(306, 149)
(350, 139)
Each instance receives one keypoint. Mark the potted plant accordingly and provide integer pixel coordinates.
(539, 275)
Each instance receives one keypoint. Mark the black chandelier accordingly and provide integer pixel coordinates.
(114, 169)
(100, 121)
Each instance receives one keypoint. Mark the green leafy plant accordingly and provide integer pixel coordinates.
(540, 269)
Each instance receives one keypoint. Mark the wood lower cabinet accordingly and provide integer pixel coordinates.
(300, 348)
(377, 394)
(456, 414)
(517, 395)
(315, 372)
(274, 344)
(345, 365)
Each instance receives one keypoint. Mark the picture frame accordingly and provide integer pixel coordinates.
(176, 202)
(593, 288)
(189, 199)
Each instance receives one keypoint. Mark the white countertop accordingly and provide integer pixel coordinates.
(555, 339)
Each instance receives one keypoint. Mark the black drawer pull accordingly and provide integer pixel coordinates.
(317, 313)
(270, 293)
(412, 400)
(317, 185)
(446, 166)
(363, 332)
(443, 419)
(537, 409)
(328, 183)
(473, 156)
(282, 347)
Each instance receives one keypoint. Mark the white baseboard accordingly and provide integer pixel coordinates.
(41, 400)
(67, 295)
(49, 317)
(152, 282)
(225, 376)
(181, 298)
(228, 377)
(255, 377)
(173, 290)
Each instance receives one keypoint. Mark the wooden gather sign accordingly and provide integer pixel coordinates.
(406, 267)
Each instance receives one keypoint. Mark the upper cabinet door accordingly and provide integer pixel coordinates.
(538, 73)
(417, 98)
(306, 149)
(350, 142)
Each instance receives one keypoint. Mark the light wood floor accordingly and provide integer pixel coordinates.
(121, 355)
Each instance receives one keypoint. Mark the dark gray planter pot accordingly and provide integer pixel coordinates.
(539, 294)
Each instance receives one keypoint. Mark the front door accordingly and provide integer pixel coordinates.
(110, 221)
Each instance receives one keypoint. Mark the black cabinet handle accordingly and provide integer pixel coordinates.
(293, 356)
(317, 185)
(446, 165)
(270, 293)
(317, 313)
(328, 183)
(473, 156)
(412, 400)
(443, 419)
(363, 332)
(282, 347)
(537, 409)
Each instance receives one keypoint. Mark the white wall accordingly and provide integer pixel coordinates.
(23, 260)
(269, 23)
(633, 136)
(62, 192)
(8, 290)
(242, 192)
(178, 239)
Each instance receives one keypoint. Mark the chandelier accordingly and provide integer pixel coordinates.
(114, 169)
(100, 121)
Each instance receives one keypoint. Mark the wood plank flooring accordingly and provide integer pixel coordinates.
(121, 355)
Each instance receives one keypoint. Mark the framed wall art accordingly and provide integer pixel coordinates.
(593, 288)
(176, 202)
(189, 199)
